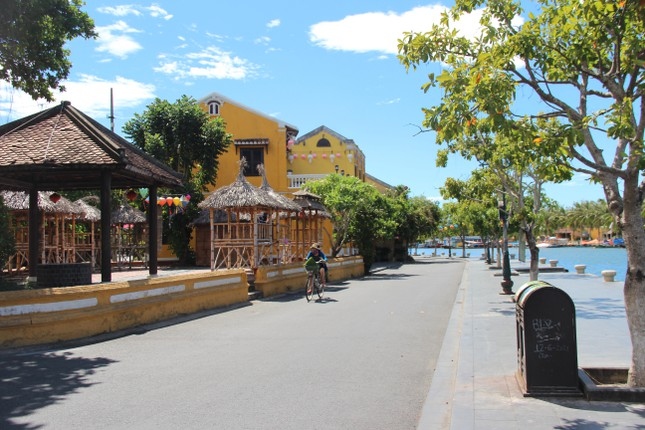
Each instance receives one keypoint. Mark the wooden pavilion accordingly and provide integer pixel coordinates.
(88, 239)
(308, 226)
(246, 238)
(62, 148)
(128, 233)
(58, 232)
(282, 244)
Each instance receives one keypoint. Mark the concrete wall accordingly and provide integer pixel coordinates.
(35, 317)
(274, 280)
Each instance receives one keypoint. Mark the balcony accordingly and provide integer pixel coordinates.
(297, 181)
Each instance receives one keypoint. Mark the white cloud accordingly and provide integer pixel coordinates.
(210, 63)
(89, 94)
(158, 12)
(380, 31)
(263, 40)
(153, 10)
(122, 10)
(273, 23)
(115, 39)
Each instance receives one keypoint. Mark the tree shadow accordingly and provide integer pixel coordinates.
(31, 382)
(600, 308)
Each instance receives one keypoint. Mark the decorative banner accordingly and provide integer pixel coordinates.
(143, 192)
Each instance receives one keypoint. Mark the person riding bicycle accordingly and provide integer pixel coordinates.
(317, 255)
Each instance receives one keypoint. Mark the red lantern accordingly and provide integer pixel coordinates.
(169, 201)
(131, 195)
(54, 197)
(161, 201)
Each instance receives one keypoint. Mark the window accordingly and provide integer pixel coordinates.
(213, 108)
(323, 143)
(253, 156)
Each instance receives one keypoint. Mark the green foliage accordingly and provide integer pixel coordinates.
(7, 241)
(32, 38)
(364, 216)
(183, 136)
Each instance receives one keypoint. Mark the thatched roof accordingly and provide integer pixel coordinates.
(19, 201)
(64, 149)
(241, 194)
(288, 203)
(88, 211)
(204, 217)
(126, 214)
(308, 201)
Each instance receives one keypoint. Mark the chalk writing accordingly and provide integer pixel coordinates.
(548, 337)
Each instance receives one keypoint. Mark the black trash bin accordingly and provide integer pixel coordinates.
(547, 356)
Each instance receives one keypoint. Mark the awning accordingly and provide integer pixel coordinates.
(251, 142)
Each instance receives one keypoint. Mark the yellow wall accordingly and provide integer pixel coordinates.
(34, 317)
(245, 123)
(274, 280)
(46, 316)
(307, 157)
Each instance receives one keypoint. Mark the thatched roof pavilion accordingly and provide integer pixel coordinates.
(57, 239)
(88, 212)
(61, 148)
(238, 243)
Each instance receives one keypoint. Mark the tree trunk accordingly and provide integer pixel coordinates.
(535, 254)
(634, 288)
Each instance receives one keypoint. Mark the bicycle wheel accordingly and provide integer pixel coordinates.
(320, 289)
(309, 287)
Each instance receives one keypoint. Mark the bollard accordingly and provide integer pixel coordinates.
(608, 275)
(542, 260)
(553, 263)
(580, 269)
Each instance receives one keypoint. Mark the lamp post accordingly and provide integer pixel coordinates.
(507, 283)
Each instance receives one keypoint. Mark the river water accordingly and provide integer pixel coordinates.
(596, 259)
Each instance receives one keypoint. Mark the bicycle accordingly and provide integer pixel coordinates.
(313, 279)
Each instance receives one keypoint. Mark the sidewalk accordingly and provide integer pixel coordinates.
(474, 385)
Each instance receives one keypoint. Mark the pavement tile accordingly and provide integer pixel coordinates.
(475, 385)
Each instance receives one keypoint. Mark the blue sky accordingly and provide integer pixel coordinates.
(309, 64)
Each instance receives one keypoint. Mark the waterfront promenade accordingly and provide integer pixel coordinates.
(474, 385)
(250, 367)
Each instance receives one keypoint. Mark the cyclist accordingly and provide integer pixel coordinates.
(316, 253)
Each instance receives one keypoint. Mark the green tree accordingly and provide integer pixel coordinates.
(360, 213)
(414, 218)
(476, 196)
(183, 136)
(33, 33)
(584, 60)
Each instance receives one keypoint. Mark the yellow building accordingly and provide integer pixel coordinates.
(289, 161)
(323, 151)
(259, 138)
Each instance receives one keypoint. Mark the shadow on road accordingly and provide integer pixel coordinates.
(31, 382)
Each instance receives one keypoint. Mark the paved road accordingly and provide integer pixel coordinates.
(363, 358)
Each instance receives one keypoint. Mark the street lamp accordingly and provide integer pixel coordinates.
(507, 282)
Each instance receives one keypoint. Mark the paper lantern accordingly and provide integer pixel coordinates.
(169, 201)
(161, 201)
(187, 197)
(324, 156)
(176, 201)
(303, 156)
(131, 195)
(54, 197)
